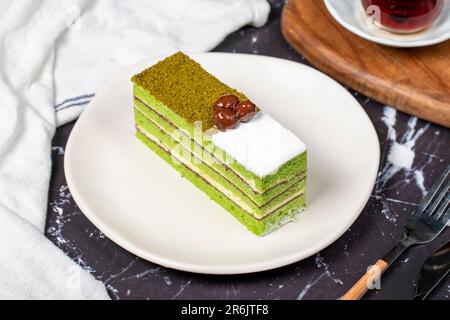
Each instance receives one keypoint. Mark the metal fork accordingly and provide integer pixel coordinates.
(425, 225)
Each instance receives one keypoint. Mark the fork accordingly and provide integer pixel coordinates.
(425, 225)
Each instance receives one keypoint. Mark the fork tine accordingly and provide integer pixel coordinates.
(432, 208)
(445, 219)
(444, 212)
(432, 192)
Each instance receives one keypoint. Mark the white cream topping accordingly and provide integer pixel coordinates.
(262, 145)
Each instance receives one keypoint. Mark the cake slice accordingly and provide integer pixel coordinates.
(220, 141)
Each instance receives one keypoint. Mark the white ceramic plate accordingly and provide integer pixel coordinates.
(350, 14)
(144, 205)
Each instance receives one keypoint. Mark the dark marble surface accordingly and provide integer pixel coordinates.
(414, 153)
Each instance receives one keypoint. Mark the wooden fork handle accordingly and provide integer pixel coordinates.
(363, 285)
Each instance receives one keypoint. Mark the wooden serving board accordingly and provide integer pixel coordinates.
(413, 80)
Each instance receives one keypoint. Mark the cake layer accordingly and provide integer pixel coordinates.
(258, 184)
(194, 147)
(220, 181)
(259, 227)
(253, 166)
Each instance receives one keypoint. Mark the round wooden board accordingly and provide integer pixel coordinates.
(414, 80)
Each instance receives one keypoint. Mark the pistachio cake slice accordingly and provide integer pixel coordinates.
(223, 143)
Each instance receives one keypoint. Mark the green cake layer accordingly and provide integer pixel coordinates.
(146, 114)
(259, 227)
(221, 181)
(173, 104)
(258, 184)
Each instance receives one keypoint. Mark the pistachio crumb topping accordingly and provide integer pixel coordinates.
(186, 88)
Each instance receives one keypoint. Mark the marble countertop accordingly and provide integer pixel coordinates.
(414, 154)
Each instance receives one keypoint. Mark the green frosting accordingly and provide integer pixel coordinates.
(185, 87)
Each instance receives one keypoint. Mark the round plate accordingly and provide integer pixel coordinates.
(145, 206)
(350, 14)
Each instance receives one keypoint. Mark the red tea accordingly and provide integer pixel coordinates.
(404, 16)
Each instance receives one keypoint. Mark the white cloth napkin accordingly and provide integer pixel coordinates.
(56, 54)
(112, 34)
